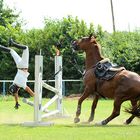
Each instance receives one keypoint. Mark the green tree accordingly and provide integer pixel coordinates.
(123, 49)
(9, 27)
(57, 31)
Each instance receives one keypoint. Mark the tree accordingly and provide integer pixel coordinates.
(9, 27)
(123, 49)
(57, 31)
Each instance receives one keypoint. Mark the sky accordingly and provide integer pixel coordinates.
(126, 12)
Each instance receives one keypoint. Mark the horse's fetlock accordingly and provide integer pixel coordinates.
(78, 113)
(76, 120)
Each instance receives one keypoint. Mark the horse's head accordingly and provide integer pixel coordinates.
(84, 43)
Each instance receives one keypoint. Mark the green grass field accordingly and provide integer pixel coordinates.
(64, 129)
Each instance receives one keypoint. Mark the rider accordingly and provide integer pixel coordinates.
(20, 80)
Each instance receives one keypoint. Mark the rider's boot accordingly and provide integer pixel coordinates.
(12, 43)
(4, 49)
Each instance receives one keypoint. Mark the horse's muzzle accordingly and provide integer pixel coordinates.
(75, 45)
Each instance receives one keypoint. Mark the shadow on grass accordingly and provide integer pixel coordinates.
(80, 125)
(104, 126)
(9, 124)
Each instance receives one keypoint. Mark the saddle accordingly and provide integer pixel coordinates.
(105, 70)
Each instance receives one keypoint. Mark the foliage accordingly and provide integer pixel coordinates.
(9, 27)
(123, 48)
(57, 31)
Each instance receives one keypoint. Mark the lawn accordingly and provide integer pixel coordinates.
(64, 129)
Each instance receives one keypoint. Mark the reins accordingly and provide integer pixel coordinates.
(75, 64)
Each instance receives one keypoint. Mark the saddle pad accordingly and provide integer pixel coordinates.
(106, 71)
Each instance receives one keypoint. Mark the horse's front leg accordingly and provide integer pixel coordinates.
(82, 98)
(94, 104)
(134, 104)
(115, 113)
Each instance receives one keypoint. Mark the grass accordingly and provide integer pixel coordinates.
(64, 128)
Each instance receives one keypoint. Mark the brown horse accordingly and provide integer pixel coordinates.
(125, 85)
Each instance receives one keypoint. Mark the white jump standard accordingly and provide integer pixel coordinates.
(39, 84)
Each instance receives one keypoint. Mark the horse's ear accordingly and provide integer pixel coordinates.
(93, 39)
(90, 36)
(95, 36)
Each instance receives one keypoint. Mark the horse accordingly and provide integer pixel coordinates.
(125, 85)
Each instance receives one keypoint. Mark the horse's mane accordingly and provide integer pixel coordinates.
(98, 46)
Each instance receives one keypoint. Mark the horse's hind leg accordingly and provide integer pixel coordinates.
(94, 104)
(115, 113)
(82, 98)
(129, 120)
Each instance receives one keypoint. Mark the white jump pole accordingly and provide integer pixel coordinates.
(38, 88)
(58, 82)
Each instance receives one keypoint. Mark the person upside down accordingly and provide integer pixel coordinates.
(22, 64)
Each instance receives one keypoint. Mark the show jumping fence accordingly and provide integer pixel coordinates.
(39, 85)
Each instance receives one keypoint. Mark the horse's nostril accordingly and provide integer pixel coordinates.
(72, 41)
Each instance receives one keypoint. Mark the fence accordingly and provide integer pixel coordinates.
(69, 86)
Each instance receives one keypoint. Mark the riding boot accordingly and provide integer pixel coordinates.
(12, 43)
(4, 49)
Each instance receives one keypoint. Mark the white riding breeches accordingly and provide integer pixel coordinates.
(21, 62)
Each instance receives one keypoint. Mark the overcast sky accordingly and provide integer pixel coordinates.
(127, 12)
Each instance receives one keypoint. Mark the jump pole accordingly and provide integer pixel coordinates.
(38, 88)
(58, 83)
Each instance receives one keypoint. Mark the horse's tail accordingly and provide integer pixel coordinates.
(134, 110)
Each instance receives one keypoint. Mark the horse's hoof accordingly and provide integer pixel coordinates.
(98, 124)
(90, 120)
(76, 120)
(126, 123)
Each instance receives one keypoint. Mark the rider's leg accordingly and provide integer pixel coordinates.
(24, 63)
(16, 57)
